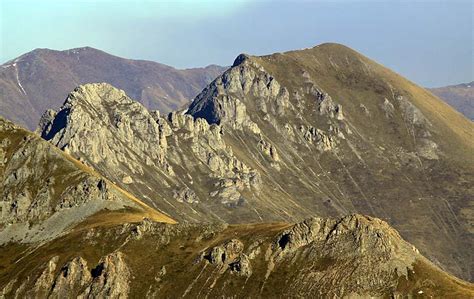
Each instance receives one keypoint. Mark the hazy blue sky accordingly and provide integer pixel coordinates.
(430, 42)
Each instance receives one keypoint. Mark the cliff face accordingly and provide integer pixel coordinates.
(322, 131)
(41, 79)
(345, 257)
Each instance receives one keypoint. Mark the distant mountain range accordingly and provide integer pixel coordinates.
(41, 79)
(460, 96)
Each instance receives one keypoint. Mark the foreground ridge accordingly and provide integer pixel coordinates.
(351, 256)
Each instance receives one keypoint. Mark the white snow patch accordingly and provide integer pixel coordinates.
(18, 80)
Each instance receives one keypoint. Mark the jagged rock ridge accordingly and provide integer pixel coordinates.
(154, 157)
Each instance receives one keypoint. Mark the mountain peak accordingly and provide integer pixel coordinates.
(83, 104)
(240, 59)
(98, 92)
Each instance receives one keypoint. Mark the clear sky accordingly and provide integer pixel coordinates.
(430, 42)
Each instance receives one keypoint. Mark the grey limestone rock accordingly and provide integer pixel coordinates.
(229, 255)
(110, 279)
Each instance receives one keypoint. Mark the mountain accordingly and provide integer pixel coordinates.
(45, 192)
(279, 138)
(73, 233)
(41, 79)
(354, 256)
(460, 96)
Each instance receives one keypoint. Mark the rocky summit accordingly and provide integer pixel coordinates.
(268, 173)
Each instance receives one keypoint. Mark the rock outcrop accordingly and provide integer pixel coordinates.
(72, 279)
(110, 278)
(230, 256)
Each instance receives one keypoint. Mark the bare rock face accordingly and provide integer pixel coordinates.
(247, 96)
(72, 279)
(110, 278)
(269, 150)
(98, 102)
(69, 281)
(388, 108)
(186, 195)
(419, 127)
(221, 101)
(46, 279)
(316, 136)
(230, 256)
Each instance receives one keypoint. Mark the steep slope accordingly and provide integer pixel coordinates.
(44, 192)
(352, 256)
(460, 96)
(41, 79)
(322, 131)
(350, 135)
